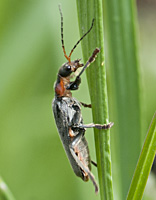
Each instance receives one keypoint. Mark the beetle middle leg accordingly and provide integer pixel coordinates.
(98, 126)
(86, 105)
(75, 155)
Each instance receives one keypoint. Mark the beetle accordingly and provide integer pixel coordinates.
(67, 113)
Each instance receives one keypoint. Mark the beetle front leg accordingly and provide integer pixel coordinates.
(75, 154)
(98, 126)
(74, 85)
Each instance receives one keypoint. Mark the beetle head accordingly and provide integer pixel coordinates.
(69, 67)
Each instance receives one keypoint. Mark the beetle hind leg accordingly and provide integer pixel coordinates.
(94, 163)
(85, 169)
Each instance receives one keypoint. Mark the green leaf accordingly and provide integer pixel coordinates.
(96, 75)
(144, 164)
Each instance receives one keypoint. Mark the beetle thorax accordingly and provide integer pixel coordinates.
(60, 87)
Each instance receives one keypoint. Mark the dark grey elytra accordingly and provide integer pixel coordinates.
(68, 117)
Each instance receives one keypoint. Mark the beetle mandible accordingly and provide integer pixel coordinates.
(67, 113)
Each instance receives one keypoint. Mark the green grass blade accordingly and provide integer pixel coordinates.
(144, 164)
(5, 193)
(120, 27)
(96, 75)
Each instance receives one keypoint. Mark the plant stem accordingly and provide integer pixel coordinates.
(96, 76)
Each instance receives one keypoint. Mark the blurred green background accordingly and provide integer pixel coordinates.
(32, 160)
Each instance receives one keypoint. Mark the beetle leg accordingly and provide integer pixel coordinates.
(79, 162)
(76, 140)
(86, 105)
(94, 163)
(75, 84)
(98, 126)
(71, 133)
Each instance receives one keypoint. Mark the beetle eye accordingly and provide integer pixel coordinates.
(65, 70)
(68, 67)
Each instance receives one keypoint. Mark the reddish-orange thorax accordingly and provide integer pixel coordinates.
(60, 87)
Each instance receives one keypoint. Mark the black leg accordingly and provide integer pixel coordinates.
(86, 105)
(75, 84)
(94, 163)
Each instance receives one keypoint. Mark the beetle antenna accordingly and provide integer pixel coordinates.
(81, 38)
(64, 51)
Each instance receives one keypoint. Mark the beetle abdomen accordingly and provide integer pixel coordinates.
(67, 113)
